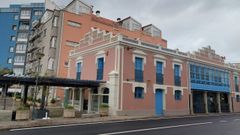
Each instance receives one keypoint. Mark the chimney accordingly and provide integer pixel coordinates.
(118, 19)
(98, 13)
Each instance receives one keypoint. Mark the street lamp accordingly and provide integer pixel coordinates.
(39, 56)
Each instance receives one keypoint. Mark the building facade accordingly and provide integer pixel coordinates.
(143, 76)
(16, 30)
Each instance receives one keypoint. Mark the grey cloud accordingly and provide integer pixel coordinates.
(186, 24)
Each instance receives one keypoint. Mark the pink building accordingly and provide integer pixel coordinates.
(139, 75)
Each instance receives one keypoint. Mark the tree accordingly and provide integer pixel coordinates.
(5, 71)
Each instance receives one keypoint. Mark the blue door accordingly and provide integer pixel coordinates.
(159, 102)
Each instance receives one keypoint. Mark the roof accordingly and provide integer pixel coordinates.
(49, 81)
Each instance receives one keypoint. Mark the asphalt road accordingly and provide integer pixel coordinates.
(211, 125)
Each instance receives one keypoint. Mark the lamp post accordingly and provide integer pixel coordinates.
(39, 56)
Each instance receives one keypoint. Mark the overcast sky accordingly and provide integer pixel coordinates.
(185, 24)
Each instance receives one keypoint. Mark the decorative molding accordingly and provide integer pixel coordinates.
(138, 84)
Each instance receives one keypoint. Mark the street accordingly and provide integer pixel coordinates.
(204, 125)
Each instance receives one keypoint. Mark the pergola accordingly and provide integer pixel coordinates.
(7, 81)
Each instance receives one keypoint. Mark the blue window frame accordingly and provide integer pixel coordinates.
(159, 72)
(138, 69)
(204, 77)
(79, 69)
(100, 67)
(177, 77)
(178, 94)
(139, 92)
(236, 84)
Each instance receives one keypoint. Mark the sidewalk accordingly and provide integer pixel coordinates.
(65, 121)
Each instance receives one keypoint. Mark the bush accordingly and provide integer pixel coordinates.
(53, 101)
(68, 107)
(30, 98)
(18, 97)
(23, 107)
(104, 106)
(38, 100)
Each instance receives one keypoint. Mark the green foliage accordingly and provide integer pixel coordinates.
(23, 107)
(18, 97)
(104, 106)
(30, 98)
(38, 100)
(5, 71)
(53, 101)
(69, 107)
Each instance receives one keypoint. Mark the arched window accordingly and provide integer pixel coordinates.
(139, 92)
(51, 63)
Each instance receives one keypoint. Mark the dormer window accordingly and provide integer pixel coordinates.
(152, 30)
(131, 24)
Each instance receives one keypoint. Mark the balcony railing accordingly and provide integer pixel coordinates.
(177, 80)
(24, 27)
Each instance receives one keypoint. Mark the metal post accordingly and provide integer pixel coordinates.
(206, 102)
(25, 94)
(5, 89)
(43, 97)
(39, 56)
(219, 102)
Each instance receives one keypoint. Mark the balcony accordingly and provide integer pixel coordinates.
(24, 27)
(18, 63)
(177, 80)
(20, 51)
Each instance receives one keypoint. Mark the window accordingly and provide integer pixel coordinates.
(236, 84)
(55, 21)
(51, 64)
(79, 66)
(15, 17)
(138, 69)
(74, 24)
(238, 98)
(45, 32)
(139, 92)
(22, 37)
(53, 42)
(24, 26)
(177, 77)
(105, 98)
(159, 73)
(25, 14)
(37, 13)
(100, 67)
(11, 49)
(9, 60)
(178, 94)
(14, 27)
(21, 48)
(18, 71)
(13, 38)
(19, 59)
